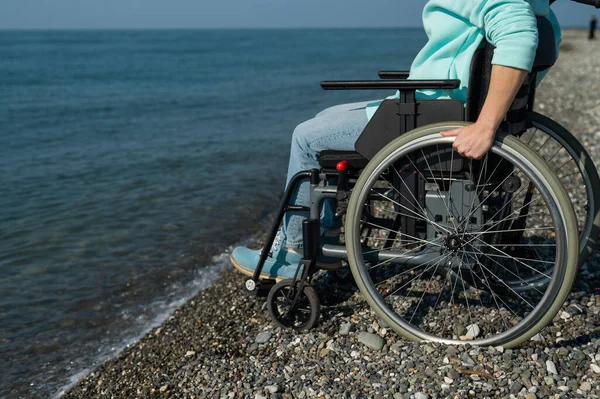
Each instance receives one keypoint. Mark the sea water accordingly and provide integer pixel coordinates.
(131, 162)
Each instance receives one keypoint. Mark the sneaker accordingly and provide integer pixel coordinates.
(280, 264)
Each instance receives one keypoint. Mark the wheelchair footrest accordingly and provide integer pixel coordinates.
(258, 289)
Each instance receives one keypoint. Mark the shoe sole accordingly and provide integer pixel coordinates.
(263, 276)
(250, 273)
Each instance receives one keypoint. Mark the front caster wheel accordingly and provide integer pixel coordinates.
(290, 308)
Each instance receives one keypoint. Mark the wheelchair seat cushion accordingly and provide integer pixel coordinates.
(329, 159)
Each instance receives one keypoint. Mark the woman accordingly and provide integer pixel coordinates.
(456, 29)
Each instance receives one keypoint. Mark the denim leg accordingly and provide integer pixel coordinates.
(336, 128)
(344, 108)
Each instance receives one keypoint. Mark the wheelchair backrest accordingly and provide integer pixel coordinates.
(481, 71)
(390, 119)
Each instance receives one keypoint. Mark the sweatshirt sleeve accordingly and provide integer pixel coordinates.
(511, 26)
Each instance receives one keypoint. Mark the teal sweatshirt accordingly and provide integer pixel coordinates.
(456, 29)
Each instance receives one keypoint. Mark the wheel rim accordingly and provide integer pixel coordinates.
(506, 321)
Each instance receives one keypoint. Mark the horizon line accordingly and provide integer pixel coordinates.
(225, 28)
(216, 28)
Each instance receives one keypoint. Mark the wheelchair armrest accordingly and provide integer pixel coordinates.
(402, 85)
(393, 74)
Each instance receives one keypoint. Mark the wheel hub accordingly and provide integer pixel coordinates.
(454, 242)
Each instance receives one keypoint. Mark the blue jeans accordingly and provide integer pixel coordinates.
(335, 128)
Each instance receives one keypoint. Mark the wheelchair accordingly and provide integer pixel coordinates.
(445, 248)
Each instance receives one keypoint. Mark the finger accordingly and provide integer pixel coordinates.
(451, 133)
(458, 149)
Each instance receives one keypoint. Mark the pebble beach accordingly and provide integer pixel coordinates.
(222, 344)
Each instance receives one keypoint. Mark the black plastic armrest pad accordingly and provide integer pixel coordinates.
(394, 74)
(390, 84)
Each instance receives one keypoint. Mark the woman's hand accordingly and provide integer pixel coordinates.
(472, 141)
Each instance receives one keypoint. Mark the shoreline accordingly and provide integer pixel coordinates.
(221, 343)
(211, 274)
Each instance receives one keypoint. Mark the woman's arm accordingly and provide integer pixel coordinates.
(511, 27)
(474, 141)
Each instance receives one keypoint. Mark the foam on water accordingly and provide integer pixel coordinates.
(207, 275)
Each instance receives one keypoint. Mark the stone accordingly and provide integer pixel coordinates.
(459, 329)
(420, 395)
(595, 368)
(516, 387)
(383, 324)
(163, 388)
(551, 367)
(272, 388)
(586, 386)
(324, 352)
(452, 350)
(473, 331)
(537, 338)
(263, 337)
(563, 351)
(428, 349)
(372, 341)
(574, 310)
(345, 329)
(467, 359)
(448, 380)
(530, 396)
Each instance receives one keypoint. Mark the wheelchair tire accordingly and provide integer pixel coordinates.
(579, 178)
(588, 214)
(301, 317)
(461, 322)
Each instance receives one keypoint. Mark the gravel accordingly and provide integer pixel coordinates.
(221, 344)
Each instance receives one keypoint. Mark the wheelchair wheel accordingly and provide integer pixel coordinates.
(289, 308)
(575, 169)
(446, 231)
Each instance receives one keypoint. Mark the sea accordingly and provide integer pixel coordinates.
(133, 161)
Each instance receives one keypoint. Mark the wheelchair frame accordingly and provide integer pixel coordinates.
(405, 119)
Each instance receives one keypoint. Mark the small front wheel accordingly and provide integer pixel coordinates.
(290, 308)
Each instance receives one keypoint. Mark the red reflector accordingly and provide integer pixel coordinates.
(342, 166)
